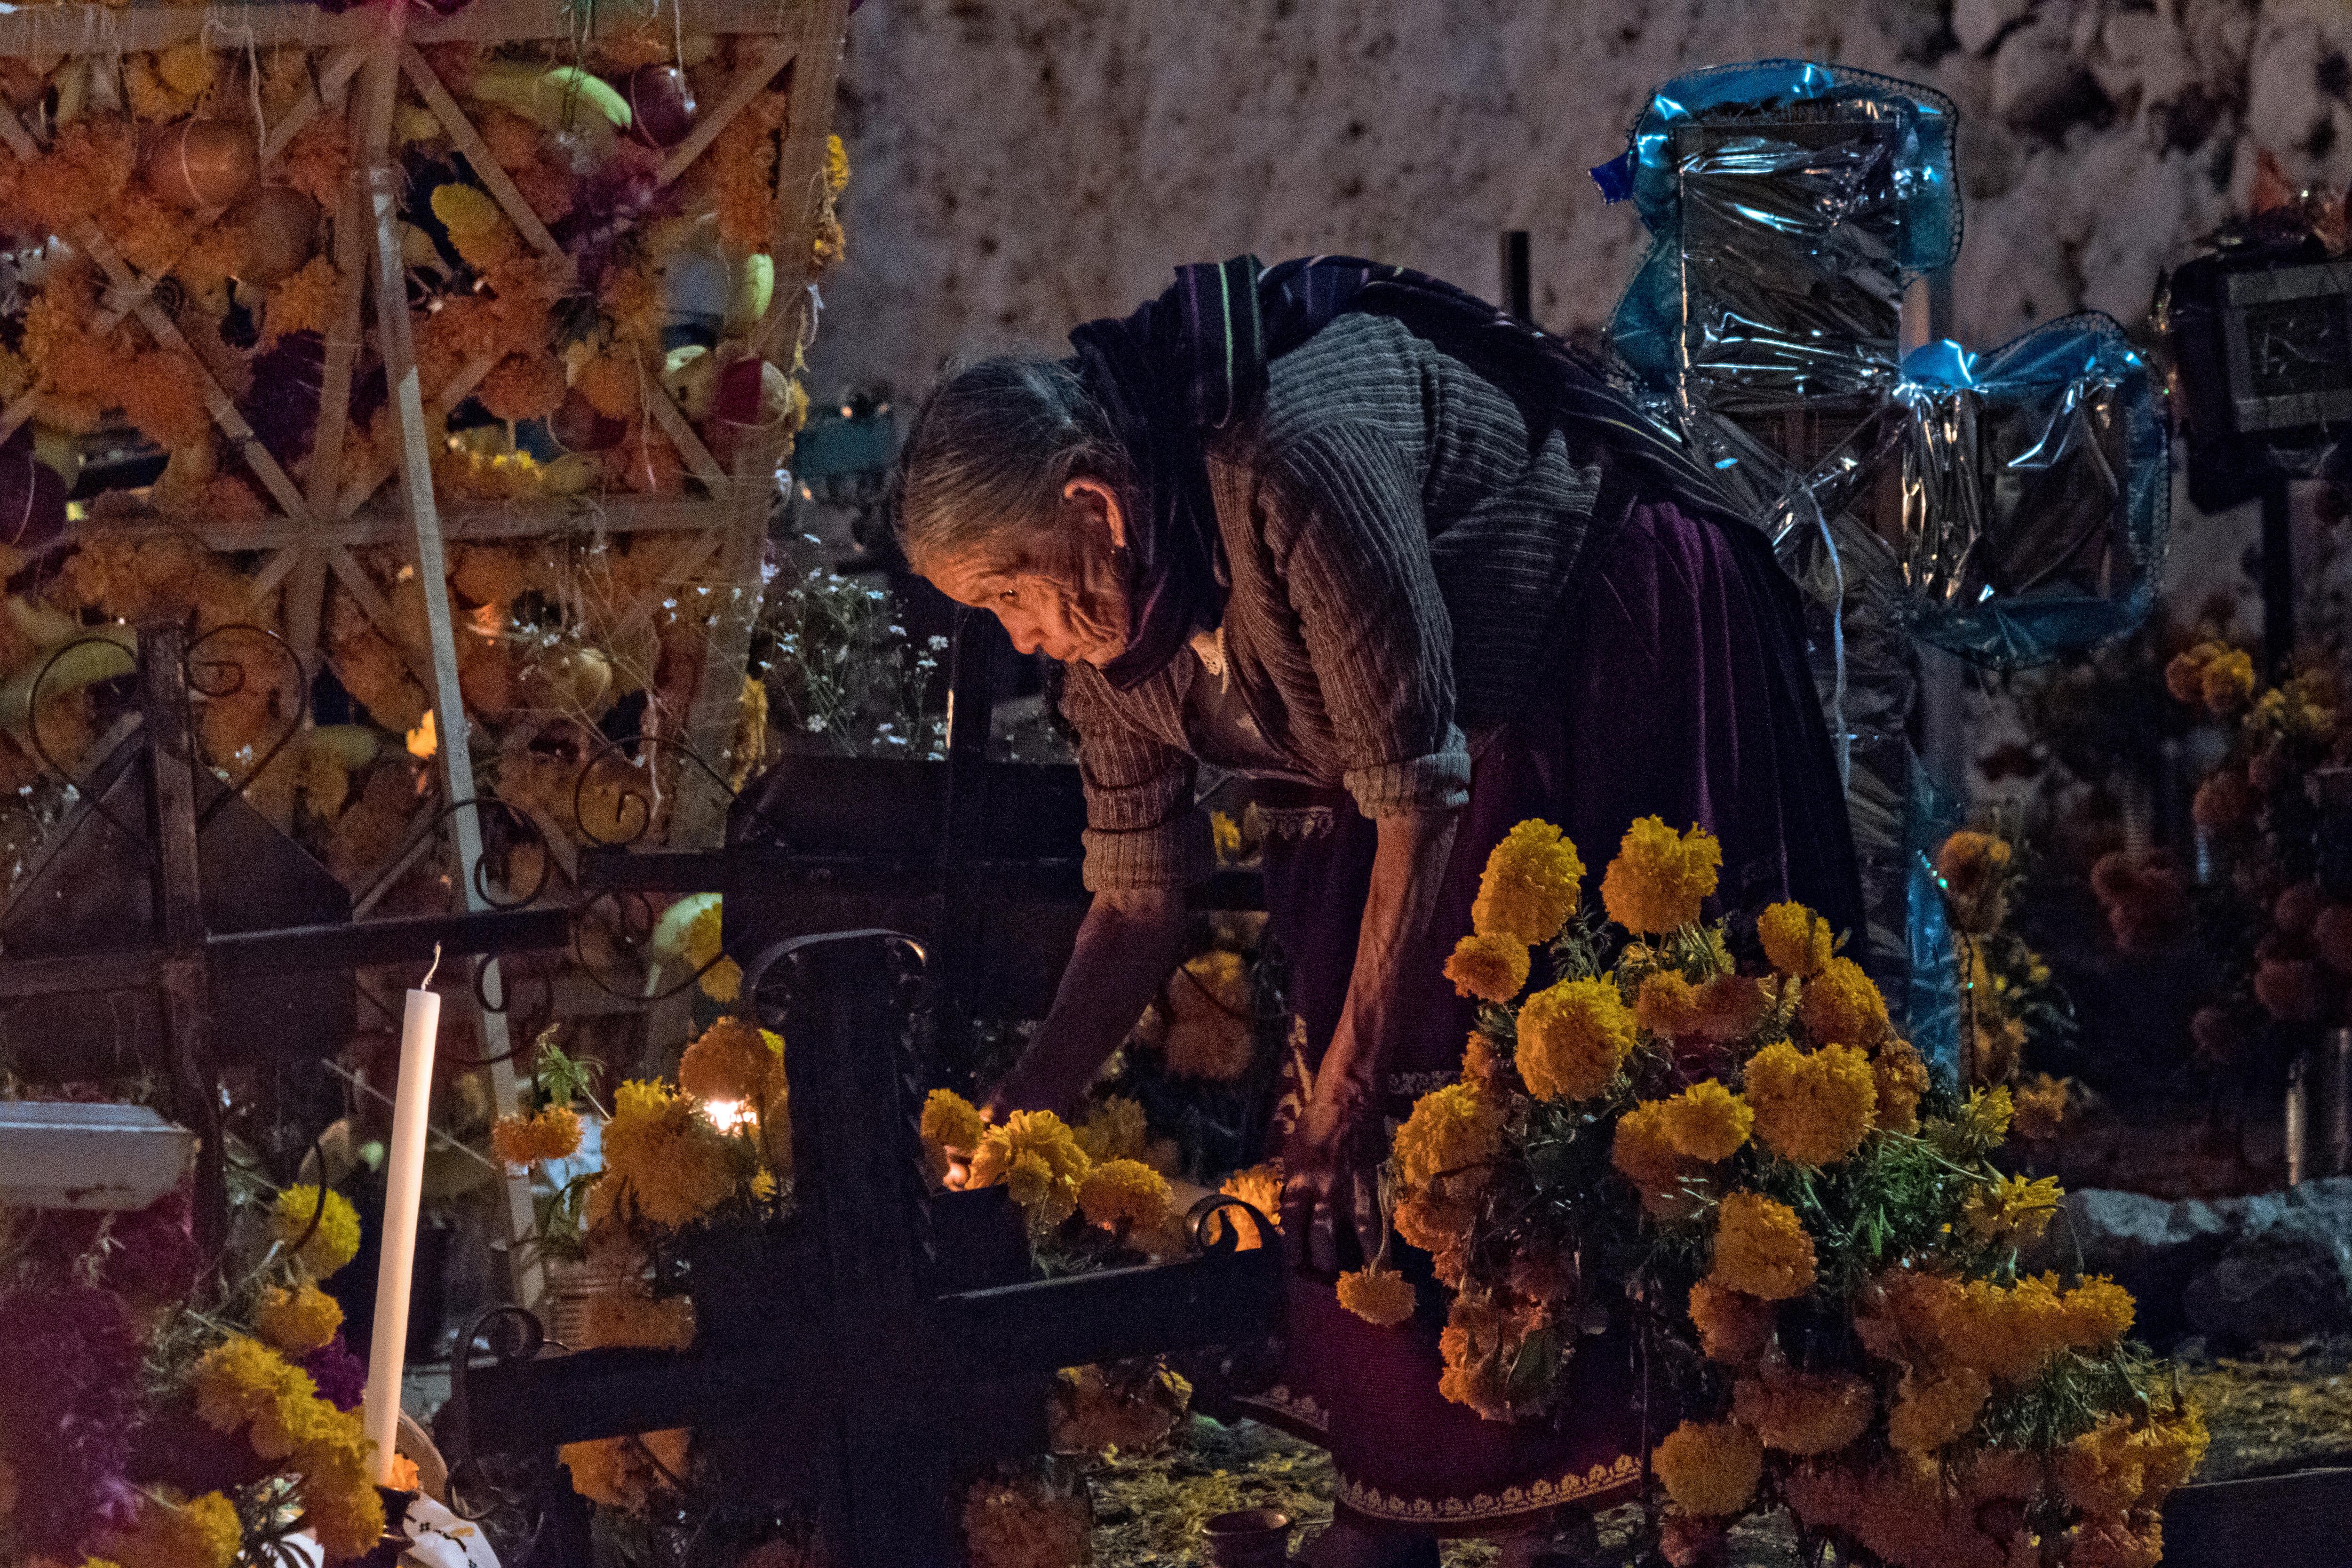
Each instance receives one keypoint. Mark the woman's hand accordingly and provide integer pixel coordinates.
(1330, 1191)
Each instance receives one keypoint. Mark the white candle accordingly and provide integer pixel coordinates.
(404, 1185)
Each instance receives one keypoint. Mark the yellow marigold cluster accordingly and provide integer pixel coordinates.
(1840, 1007)
(732, 1061)
(2040, 1106)
(1131, 1407)
(951, 1124)
(298, 1320)
(1762, 1248)
(1811, 1109)
(1491, 968)
(1706, 1121)
(1451, 1134)
(1479, 1345)
(1711, 1468)
(1660, 878)
(1973, 869)
(1732, 1327)
(1797, 942)
(201, 1533)
(476, 226)
(326, 1246)
(1037, 1156)
(1803, 1413)
(552, 1132)
(2009, 1333)
(1934, 1409)
(1260, 1186)
(663, 1157)
(1530, 887)
(1210, 1031)
(626, 1472)
(1668, 1005)
(1643, 1150)
(1574, 1038)
(1116, 1129)
(1127, 1194)
(1382, 1296)
(340, 1503)
(243, 1386)
(2123, 1464)
(1903, 1512)
(1899, 1074)
(1979, 1126)
(2010, 1211)
(1007, 1526)
(2213, 676)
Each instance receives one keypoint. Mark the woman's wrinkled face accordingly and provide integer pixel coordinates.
(1069, 610)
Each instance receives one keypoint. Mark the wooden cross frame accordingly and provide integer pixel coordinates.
(87, 924)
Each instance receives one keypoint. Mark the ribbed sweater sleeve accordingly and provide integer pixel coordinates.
(1354, 554)
(1142, 830)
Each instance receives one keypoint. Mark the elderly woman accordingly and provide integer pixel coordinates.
(1416, 570)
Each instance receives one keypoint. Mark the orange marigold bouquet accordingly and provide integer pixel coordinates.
(1713, 1134)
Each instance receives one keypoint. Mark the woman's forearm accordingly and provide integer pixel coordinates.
(1407, 870)
(1127, 946)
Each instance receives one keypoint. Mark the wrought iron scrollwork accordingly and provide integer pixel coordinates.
(1212, 1230)
(635, 765)
(216, 677)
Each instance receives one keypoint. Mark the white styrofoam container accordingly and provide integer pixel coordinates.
(62, 1155)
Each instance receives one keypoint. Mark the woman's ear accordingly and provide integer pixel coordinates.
(1099, 503)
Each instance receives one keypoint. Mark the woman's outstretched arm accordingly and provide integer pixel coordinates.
(1325, 1161)
(1128, 943)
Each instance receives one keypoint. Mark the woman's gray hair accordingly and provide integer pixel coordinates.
(983, 466)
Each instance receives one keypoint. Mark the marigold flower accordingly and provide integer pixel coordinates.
(1260, 1186)
(1711, 1468)
(1574, 1038)
(1476, 1345)
(1668, 1005)
(1643, 1150)
(2136, 1542)
(626, 1472)
(302, 303)
(2103, 1470)
(1762, 1248)
(298, 1320)
(2008, 1333)
(1133, 1407)
(1382, 1296)
(1209, 1030)
(1732, 1327)
(1007, 1526)
(733, 1060)
(664, 1156)
(1115, 1129)
(202, 1532)
(1435, 1225)
(2184, 672)
(951, 1122)
(1979, 1126)
(1839, 1007)
(331, 1241)
(1802, 1412)
(2012, 1209)
(1659, 877)
(1974, 870)
(2097, 1313)
(1731, 1008)
(243, 1386)
(476, 226)
(1037, 1155)
(1932, 1411)
(1126, 1192)
(555, 1133)
(1899, 1075)
(2170, 1452)
(1811, 1109)
(1796, 941)
(1491, 968)
(523, 386)
(1708, 1121)
(1530, 887)
(2227, 682)
(2223, 803)
(1451, 1132)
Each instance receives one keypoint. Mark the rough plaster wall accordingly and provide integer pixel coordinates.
(1023, 164)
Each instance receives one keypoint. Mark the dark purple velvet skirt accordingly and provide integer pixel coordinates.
(1681, 691)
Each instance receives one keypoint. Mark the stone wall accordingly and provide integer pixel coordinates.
(1022, 164)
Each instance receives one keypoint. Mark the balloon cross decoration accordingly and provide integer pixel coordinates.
(2008, 507)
